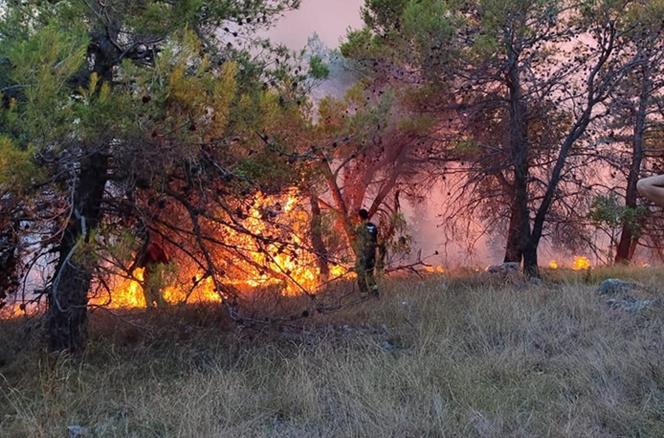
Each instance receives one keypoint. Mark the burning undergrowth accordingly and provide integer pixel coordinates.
(254, 254)
(228, 252)
(232, 252)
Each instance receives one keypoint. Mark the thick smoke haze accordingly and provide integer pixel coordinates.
(330, 19)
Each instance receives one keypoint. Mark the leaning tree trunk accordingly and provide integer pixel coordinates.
(68, 298)
(68, 295)
(530, 262)
(343, 213)
(628, 236)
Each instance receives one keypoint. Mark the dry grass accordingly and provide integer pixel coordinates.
(432, 358)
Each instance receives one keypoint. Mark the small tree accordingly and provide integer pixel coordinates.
(610, 216)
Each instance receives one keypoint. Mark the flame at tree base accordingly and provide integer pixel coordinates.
(582, 263)
(129, 293)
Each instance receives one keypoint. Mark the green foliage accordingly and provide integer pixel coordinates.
(644, 20)
(465, 148)
(41, 67)
(633, 218)
(317, 68)
(86, 252)
(608, 210)
(144, 92)
(362, 116)
(416, 124)
(360, 45)
(383, 16)
(18, 171)
(122, 246)
(405, 32)
(262, 172)
(430, 25)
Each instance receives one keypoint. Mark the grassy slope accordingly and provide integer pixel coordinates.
(433, 358)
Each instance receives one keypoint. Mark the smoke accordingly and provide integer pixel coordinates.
(340, 78)
(328, 19)
(319, 27)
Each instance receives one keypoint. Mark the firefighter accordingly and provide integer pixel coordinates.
(652, 188)
(153, 260)
(366, 242)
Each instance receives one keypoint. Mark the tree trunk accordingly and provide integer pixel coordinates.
(68, 298)
(317, 242)
(628, 236)
(519, 227)
(530, 257)
(577, 130)
(513, 253)
(530, 261)
(343, 214)
(9, 250)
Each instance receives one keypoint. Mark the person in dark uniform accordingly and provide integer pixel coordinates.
(366, 243)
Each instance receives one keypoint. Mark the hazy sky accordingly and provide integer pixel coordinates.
(329, 18)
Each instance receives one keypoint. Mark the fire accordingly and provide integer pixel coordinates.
(581, 263)
(293, 267)
(16, 310)
(435, 269)
(127, 293)
(11, 312)
(553, 264)
(287, 264)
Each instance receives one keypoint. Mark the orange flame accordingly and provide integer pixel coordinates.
(18, 310)
(291, 268)
(581, 263)
(553, 264)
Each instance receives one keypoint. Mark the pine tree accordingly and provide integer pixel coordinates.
(105, 104)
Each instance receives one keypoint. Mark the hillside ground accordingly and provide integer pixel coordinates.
(435, 357)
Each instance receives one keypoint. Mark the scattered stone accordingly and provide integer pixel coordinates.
(507, 272)
(624, 295)
(631, 304)
(534, 281)
(393, 344)
(388, 345)
(615, 286)
(76, 431)
(505, 268)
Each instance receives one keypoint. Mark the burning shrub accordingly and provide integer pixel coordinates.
(221, 252)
